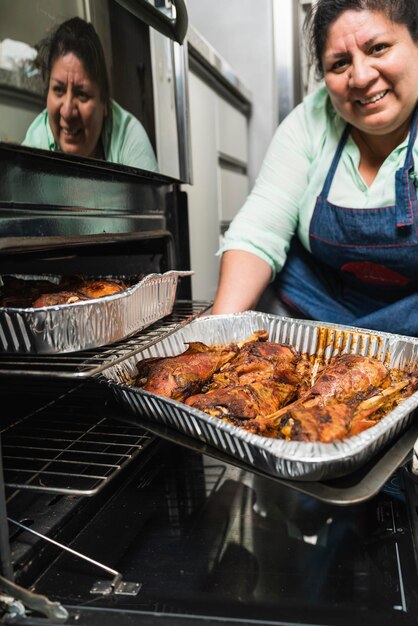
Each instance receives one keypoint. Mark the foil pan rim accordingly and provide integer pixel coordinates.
(312, 323)
(149, 278)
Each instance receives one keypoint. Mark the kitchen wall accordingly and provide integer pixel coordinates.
(261, 40)
(30, 21)
(27, 22)
(242, 32)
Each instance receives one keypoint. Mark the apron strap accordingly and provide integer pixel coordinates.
(405, 189)
(330, 176)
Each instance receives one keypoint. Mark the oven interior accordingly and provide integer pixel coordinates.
(117, 525)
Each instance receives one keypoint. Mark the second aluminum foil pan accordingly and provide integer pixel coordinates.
(89, 324)
(279, 458)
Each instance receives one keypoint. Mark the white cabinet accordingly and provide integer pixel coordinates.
(203, 194)
(219, 152)
(232, 132)
(233, 190)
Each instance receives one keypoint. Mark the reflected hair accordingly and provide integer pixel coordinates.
(80, 38)
(324, 12)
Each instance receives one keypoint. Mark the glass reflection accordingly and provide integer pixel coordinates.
(80, 118)
(63, 88)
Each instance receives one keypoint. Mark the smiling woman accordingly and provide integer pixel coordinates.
(370, 66)
(76, 110)
(80, 117)
(332, 222)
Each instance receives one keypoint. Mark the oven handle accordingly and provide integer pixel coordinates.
(176, 28)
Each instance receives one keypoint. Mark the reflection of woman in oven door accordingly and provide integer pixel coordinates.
(332, 222)
(80, 117)
(326, 554)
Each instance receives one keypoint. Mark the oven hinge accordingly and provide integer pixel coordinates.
(117, 587)
(102, 587)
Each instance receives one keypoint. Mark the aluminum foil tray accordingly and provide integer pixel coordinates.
(91, 323)
(284, 459)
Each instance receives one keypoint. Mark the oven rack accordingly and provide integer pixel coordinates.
(69, 448)
(87, 363)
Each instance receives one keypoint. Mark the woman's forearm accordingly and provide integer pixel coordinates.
(243, 278)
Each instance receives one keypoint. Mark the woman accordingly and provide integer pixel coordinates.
(339, 175)
(80, 117)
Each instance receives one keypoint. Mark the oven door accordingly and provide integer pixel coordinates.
(148, 39)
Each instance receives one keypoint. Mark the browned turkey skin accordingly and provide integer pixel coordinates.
(40, 293)
(262, 378)
(350, 395)
(58, 297)
(100, 288)
(179, 377)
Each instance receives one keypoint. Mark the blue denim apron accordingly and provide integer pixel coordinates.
(363, 268)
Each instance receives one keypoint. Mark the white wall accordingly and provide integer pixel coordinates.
(28, 21)
(31, 20)
(241, 31)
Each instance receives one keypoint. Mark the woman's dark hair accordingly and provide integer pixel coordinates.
(325, 12)
(79, 37)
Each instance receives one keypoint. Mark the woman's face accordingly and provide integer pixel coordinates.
(75, 108)
(371, 71)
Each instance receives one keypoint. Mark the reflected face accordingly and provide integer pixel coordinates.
(76, 111)
(370, 68)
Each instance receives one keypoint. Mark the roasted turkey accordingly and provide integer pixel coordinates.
(58, 297)
(100, 288)
(17, 292)
(260, 379)
(268, 389)
(179, 377)
(349, 396)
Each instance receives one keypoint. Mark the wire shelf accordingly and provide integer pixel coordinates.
(82, 365)
(68, 448)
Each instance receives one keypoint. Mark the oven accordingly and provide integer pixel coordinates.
(105, 518)
(109, 519)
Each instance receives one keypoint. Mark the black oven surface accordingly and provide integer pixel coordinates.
(208, 542)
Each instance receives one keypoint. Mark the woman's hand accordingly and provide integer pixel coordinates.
(243, 278)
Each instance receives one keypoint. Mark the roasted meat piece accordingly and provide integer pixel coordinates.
(303, 423)
(243, 401)
(17, 292)
(372, 409)
(325, 412)
(100, 288)
(258, 361)
(262, 378)
(179, 377)
(58, 297)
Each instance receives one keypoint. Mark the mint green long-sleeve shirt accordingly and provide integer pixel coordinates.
(283, 198)
(125, 140)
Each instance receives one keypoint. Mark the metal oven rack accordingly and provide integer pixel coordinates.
(82, 365)
(72, 446)
(65, 449)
